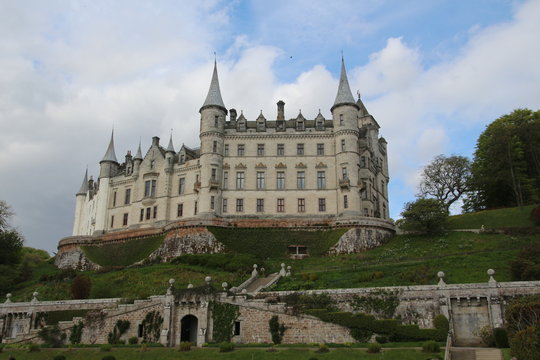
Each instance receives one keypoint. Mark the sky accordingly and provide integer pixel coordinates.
(433, 73)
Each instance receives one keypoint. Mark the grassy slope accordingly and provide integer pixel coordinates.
(508, 217)
(204, 354)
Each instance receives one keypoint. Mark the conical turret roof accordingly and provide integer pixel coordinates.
(344, 94)
(170, 147)
(110, 154)
(84, 186)
(138, 155)
(214, 94)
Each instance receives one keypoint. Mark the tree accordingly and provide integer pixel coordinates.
(80, 287)
(424, 215)
(506, 166)
(11, 244)
(446, 179)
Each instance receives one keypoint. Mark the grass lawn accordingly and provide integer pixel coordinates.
(508, 217)
(204, 354)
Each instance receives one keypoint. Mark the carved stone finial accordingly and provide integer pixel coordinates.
(440, 274)
(208, 280)
(224, 285)
(491, 280)
(171, 283)
(34, 296)
(190, 286)
(8, 297)
(283, 272)
(288, 273)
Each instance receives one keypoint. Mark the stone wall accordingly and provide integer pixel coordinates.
(360, 239)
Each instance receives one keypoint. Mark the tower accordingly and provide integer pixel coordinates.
(79, 204)
(213, 114)
(346, 133)
(108, 169)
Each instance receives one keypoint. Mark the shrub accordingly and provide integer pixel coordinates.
(526, 265)
(535, 215)
(185, 346)
(133, 340)
(381, 339)
(1, 348)
(441, 323)
(374, 348)
(80, 287)
(276, 329)
(226, 347)
(52, 336)
(424, 215)
(486, 334)
(524, 344)
(34, 348)
(105, 347)
(76, 333)
(431, 347)
(108, 357)
(323, 348)
(501, 338)
(59, 357)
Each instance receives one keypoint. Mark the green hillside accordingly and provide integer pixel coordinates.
(403, 260)
(498, 218)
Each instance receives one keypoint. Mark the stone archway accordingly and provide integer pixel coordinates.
(188, 328)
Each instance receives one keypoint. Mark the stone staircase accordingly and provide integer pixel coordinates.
(476, 354)
(260, 283)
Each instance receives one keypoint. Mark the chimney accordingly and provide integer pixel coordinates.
(155, 141)
(280, 110)
(232, 115)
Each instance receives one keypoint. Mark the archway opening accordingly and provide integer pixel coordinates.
(188, 328)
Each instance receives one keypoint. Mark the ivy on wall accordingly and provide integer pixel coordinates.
(76, 333)
(119, 329)
(223, 315)
(277, 330)
(381, 303)
(151, 326)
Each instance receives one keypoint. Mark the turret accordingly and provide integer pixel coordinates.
(109, 163)
(346, 132)
(169, 153)
(79, 204)
(213, 114)
(137, 160)
(280, 120)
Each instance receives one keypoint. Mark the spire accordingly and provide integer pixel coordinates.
(344, 94)
(110, 155)
(170, 147)
(84, 186)
(138, 155)
(214, 94)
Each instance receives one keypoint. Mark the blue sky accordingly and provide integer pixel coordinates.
(433, 73)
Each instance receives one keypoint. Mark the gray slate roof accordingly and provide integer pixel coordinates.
(138, 155)
(344, 94)
(214, 94)
(110, 154)
(170, 147)
(84, 186)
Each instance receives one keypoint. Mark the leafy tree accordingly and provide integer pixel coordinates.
(11, 244)
(523, 325)
(446, 179)
(80, 287)
(506, 166)
(424, 215)
(526, 265)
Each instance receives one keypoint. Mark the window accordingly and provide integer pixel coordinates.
(182, 158)
(342, 144)
(152, 164)
(212, 202)
(127, 197)
(382, 187)
(150, 188)
(280, 205)
(240, 180)
(226, 150)
(196, 208)
(214, 146)
(148, 213)
(301, 179)
(363, 162)
(225, 180)
(240, 149)
(280, 180)
(260, 149)
(260, 205)
(114, 199)
(366, 212)
(322, 205)
(299, 149)
(236, 328)
(213, 177)
(280, 149)
(125, 220)
(341, 119)
(224, 205)
(239, 205)
(141, 218)
(344, 173)
(182, 185)
(302, 205)
(112, 221)
(260, 180)
(155, 212)
(345, 201)
(180, 210)
(321, 180)
(216, 121)
(320, 149)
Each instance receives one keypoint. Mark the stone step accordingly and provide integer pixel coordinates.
(463, 354)
(488, 354)
(260, 282)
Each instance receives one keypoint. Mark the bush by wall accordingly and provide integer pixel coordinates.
(431, 347)
(224, 315)
(277, 330)
(226, 347)
(374, 348)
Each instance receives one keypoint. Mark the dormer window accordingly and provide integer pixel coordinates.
(300, 125)
(182, 159)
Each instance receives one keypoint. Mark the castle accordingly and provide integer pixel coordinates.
(333, 169)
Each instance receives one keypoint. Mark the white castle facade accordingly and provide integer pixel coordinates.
(331, 170)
